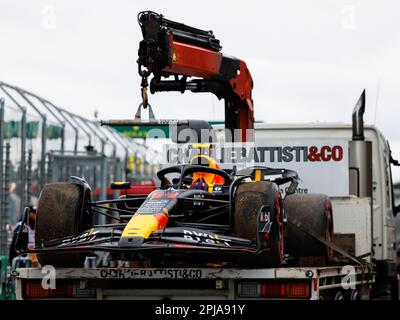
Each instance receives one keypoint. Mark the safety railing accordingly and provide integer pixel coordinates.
(41, 142)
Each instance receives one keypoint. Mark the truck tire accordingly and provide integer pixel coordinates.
(314, 212)
(339, 296)
(352, 295)
(249, 198)
(60, 213)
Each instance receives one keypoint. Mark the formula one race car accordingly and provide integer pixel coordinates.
(204, 215)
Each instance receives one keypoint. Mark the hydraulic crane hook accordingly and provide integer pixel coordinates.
(145, 99)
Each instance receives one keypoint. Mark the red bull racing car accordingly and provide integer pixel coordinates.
(199, 215)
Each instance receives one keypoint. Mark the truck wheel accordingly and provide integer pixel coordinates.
(249, 198)
(352, 295)
(338, 296)
(314, 211)
(60, 213)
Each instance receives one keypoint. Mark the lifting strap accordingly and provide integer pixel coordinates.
(330, 245)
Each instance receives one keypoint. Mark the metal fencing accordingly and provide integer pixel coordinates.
(41, 143)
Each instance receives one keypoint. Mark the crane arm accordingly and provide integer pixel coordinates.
(172, 49)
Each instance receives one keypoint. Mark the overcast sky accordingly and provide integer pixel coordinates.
(310, 60)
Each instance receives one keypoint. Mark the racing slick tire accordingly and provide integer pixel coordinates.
(60, 213)
(249, 198)
(314, 212)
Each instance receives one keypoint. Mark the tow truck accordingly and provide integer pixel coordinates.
(364, 265)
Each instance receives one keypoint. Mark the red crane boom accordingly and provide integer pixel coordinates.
(173, 49)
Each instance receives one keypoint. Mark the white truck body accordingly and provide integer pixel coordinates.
(382, 219)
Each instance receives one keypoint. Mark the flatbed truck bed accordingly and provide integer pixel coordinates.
(310, 283)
